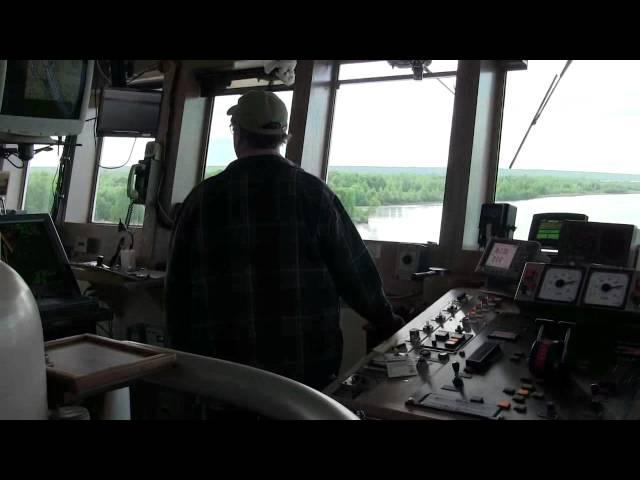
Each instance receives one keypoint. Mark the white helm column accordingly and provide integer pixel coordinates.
(23, 376)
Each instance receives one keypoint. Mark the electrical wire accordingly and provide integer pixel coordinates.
(95, 124)
(128, 159)
(440, 80)
(543, 104)
(53, 188)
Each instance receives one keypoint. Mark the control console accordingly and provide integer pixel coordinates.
(481, 356)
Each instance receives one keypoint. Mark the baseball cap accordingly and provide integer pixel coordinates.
(262, 112)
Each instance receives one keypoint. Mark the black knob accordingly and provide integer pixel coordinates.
(407, 259)
(595, 389)
(99, 260)
(434, 342)
(456, 367)
(457, 382)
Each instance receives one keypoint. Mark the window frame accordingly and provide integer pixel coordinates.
(387, 78)
(94, 187)
(493, 175)
(24, 180)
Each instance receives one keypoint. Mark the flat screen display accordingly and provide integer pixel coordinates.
(129, 112)
(548, 230)
(501, 255)
(26, 247)
(44, 88)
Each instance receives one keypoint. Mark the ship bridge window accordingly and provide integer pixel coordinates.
(220, 148)
(41, 171)
(117, 155)
(581, 156)
(390, 147)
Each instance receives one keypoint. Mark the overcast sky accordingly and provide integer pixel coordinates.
(592, 122)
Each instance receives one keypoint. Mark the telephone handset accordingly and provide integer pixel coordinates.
(142, 175)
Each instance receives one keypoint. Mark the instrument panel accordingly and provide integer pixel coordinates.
(607, 288)
(561, 284)
(492, 373)
(592, 286)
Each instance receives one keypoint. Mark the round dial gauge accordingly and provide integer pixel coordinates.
(560, 284)
(607, 289)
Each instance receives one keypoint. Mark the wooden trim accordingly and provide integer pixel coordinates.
(152, 360)
(492, 177)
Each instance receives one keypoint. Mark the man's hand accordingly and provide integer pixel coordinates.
(376, 336)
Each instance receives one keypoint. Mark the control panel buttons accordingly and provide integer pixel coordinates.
(520, 408)
(450, 344)
(442, 335)
(509, 391)
(518, 398)
(504, 404)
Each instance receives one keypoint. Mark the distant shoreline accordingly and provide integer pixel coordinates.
(432, 204)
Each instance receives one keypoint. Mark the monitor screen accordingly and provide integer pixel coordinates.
(129, 112)
(501, 255)
(548, 230)
(26, 246)
(44, 88)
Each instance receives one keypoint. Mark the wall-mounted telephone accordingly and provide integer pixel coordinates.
(143, 176)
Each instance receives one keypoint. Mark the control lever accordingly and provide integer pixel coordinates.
(431, 271)
(457, 381)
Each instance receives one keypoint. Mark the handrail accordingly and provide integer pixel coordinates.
(259, 391)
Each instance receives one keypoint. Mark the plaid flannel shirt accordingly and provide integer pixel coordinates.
(259, 258)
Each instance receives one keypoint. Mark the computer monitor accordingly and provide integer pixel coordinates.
(43, 98)
(545, 228)
(613, 244)
(129, 112)
(31, 246)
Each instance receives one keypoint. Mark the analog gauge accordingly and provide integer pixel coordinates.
(560, 284)
(607, 289)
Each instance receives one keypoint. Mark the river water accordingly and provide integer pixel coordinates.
(421, 223)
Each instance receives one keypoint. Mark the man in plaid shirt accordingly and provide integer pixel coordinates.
(260, 256)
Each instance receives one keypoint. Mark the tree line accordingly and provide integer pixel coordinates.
(111, 202)
(360, 193)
